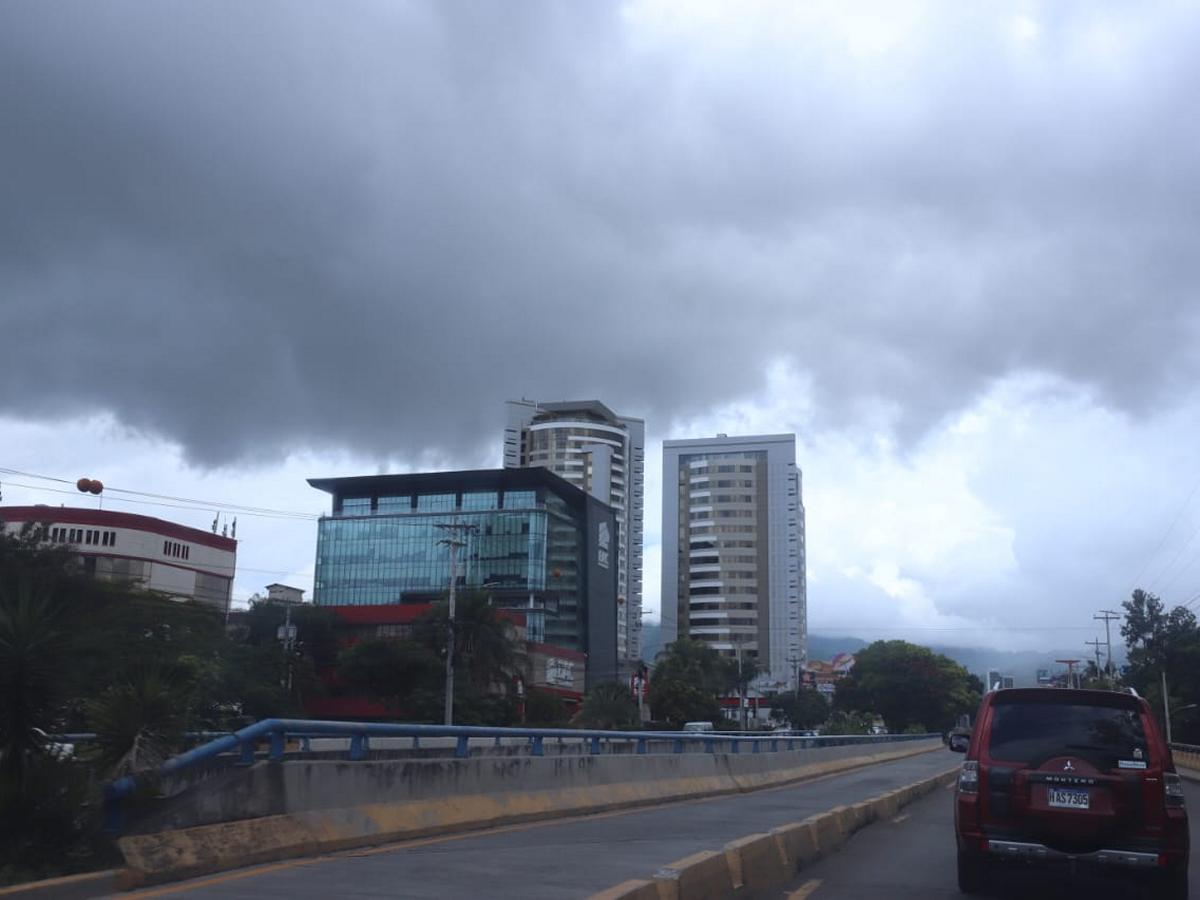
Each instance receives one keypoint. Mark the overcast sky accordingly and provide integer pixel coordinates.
(953, 247)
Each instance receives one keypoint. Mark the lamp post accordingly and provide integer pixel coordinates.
(455, 538)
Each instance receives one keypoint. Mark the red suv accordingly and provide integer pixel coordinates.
(1070, 779)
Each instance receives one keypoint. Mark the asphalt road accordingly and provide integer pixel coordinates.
(564, 858)
(914, 858)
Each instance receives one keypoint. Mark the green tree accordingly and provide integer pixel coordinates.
(35, 651)
(139, 722)
(803, 710)
(408, 675)
(609, 706)
(686, 683)
(405, 676)
(485, 652)
(1161, 642)
(544, 709)
(906, 684)
(849, 722)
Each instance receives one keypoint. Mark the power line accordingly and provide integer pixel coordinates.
(1178, 553)
(1165, 536)
(858, 626)
(198, 505)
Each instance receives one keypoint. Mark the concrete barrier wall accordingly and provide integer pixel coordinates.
(1187, 764)
(276, 810)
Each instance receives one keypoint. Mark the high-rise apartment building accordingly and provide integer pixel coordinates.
(733, 572)
(602, 453)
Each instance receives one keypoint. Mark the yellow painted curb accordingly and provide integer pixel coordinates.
(757, 863)
(85, 884)
(701, 876)
(1187, 764)
(635, 889)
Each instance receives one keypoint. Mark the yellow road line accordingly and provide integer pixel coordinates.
(221, 879)
(805, 890)
(61, 881)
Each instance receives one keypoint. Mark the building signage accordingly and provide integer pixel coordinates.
(560, 672)
(603, 539)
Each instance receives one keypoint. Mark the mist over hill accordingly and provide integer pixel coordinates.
(1021, 664)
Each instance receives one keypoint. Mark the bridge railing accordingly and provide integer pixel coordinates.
(242, 746)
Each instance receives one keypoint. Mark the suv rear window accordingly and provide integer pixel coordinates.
(1032, 732)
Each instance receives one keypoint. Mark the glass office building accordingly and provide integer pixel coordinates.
(528, 539)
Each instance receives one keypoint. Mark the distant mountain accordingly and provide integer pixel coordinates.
(651, 639)
(825, 648)
(1023, 665)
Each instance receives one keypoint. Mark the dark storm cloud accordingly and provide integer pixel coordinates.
(249, 227)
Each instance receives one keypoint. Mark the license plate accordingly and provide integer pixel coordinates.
(1068, 799)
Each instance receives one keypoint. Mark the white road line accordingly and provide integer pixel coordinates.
(805, 890)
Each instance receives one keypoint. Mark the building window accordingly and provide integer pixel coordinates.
(436, 502)
(356, 506)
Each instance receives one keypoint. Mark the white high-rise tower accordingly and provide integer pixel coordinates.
(592, 447)
(733, 572)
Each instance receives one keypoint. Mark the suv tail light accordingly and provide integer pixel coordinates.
(1172, 790)
(968, 778)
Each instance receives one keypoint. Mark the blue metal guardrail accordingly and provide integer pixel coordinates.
(276, 732)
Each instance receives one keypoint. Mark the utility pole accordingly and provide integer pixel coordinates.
(456, 533)
(1166, 705)
(1107, 615)
(1095, 645)
(286, 633)
(1070, 664)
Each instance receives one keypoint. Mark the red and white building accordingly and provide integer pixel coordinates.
(181, 562)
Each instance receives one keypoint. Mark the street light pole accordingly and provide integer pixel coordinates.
(1166, 705)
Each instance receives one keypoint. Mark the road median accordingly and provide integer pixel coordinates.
(550, 789)
(1187, 763)
(762, 865)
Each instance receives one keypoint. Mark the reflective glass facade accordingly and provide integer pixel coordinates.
(523, 545)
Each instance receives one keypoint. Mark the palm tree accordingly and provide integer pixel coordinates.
(139, 722)
(483, 646)
(609, 706)
(33, 663)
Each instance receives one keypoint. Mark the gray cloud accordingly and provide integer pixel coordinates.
(249, 227)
